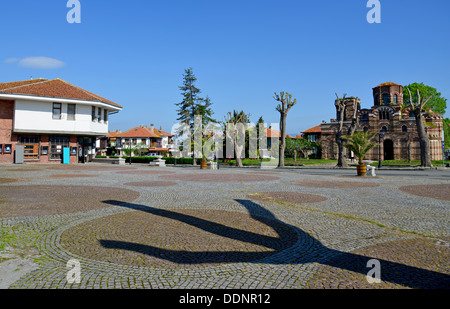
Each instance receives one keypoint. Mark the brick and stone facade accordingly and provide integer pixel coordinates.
(400, 140)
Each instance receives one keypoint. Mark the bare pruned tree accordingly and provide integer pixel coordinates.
(424, 141)
(235, 125)
(341, 105)
(286, 103)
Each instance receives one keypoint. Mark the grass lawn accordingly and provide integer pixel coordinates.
(406, 163)
(287, 162)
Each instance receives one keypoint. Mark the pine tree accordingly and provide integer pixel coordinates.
(192, 104)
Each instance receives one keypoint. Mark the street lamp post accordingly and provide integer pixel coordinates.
(216, 146)
(130, 151)
(177, 149)
(380, 138)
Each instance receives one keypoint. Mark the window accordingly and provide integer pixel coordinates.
(383, 129)
(57, 144)
(8, 148)
(411, 114)
(70, 111)
(105, 115)
(404, 129)
(56, 110)
(386, 99)
(366, 129)
(29, 139)
(31, 146)
(1, 148)
(384, 115)
(395, 98)
(365, 117)
(99, 114)
(93, 113)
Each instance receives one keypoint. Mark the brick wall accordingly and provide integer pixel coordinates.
(6, 124)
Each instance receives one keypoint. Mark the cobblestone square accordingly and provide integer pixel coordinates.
(234, 228)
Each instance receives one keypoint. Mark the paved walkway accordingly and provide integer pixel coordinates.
(149, 227)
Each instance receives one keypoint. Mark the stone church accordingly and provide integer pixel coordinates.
(396, 127)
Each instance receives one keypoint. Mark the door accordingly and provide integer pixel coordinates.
(388, 146)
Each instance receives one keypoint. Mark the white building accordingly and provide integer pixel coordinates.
(47, 116)
(148, 139)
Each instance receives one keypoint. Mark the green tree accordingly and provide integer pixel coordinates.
(192, 104)
(360, 143)
(447, 133)
(303, 145)
(437, 103)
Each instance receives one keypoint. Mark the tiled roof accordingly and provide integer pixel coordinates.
(158, 149)
(143, 131)
(55, 88)
(274, 133)
(316, 129)
(4, 86)
(387, 84)
(114, 133)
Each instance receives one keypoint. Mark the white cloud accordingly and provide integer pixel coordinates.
(11, 60)
(45, 63)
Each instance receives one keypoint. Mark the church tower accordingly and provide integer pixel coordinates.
(388, 94)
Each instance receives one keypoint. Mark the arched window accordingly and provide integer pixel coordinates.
(411, 114)
(404, 129)
(365, 117)
(384, 115)
(383, 129)
(395, 98)
(386, 98)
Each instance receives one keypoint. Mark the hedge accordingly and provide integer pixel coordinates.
(169, 160)
(145, 159)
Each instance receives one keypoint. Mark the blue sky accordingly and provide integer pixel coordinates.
(135, 52)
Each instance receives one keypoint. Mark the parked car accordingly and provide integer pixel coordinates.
(152, 154)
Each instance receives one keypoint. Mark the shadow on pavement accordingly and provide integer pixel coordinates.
(408, 276)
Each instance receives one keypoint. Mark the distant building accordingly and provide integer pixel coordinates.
(147, 140)
(105, 145)
(47, 117)
(399, 139)
(313, 134)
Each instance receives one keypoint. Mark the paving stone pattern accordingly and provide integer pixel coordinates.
(160, 228)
